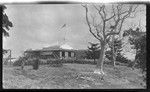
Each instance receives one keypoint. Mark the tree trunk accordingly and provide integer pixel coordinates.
(133, 64)
(113, 52)
(114, 60)
(94, 60)
(100, 62)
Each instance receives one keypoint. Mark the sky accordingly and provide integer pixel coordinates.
(39, 25)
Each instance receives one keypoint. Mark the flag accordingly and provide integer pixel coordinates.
(63, 26)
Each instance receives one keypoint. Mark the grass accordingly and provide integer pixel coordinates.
(70, 76)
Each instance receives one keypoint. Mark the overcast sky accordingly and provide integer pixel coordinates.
(37, 26)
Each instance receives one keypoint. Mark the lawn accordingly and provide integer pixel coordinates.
(71, 76)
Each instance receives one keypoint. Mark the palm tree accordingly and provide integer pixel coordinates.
(6, 23)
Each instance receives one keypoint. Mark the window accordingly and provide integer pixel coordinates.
(63, 54)
(69, 54)
(72, 54)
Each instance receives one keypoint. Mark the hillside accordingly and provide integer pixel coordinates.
(71, 76)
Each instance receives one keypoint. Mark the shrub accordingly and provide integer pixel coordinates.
(43, 62)
(29, 62)
(107, 61)
(68, 60)
(120, 58)
(79, 61)
(140, 45)
(18, 62)
(55, 63)
(84, 61)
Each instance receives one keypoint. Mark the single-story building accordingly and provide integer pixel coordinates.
(56, 51)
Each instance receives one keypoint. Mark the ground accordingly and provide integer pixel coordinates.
(71, 76)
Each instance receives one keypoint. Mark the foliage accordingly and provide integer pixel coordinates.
(78, 61)
(5, 51)
(80, 54)
(6, 23)
(102, 26)
(18, 62)
(108, 54)
(93, 51)
(140, 45)
(117, 49)
(83, 61)
(55, 63)
(138, 39)
(119, 58)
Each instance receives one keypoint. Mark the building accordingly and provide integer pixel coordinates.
(57, 51)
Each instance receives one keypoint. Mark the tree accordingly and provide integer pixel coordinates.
(140, 45)
(115, 50)
(93, 51)
(5, 51)
(6, 22)
(114, 54)
(108, 25)
(138, 39)
(35, 56)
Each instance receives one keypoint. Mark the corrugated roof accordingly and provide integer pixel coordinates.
(56, 47)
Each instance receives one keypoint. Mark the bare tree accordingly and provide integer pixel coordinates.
(108, 26)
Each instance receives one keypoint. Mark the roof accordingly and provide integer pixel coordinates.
(65, 47)
(56, 47)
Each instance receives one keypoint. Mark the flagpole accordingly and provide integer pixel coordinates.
(64, 38)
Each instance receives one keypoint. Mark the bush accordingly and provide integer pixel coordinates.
(79, 61)
(122, 59)
(55, 63)
(108, 62)
(18, 62)
(140, 45)
(43, 62)
(29, 62)
(84, 61)
(68, 60)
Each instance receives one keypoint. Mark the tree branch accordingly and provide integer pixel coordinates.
(99, 11)
(129, 12)
(110, 17)
(90, 29)
(96, 28)
(101, 8)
